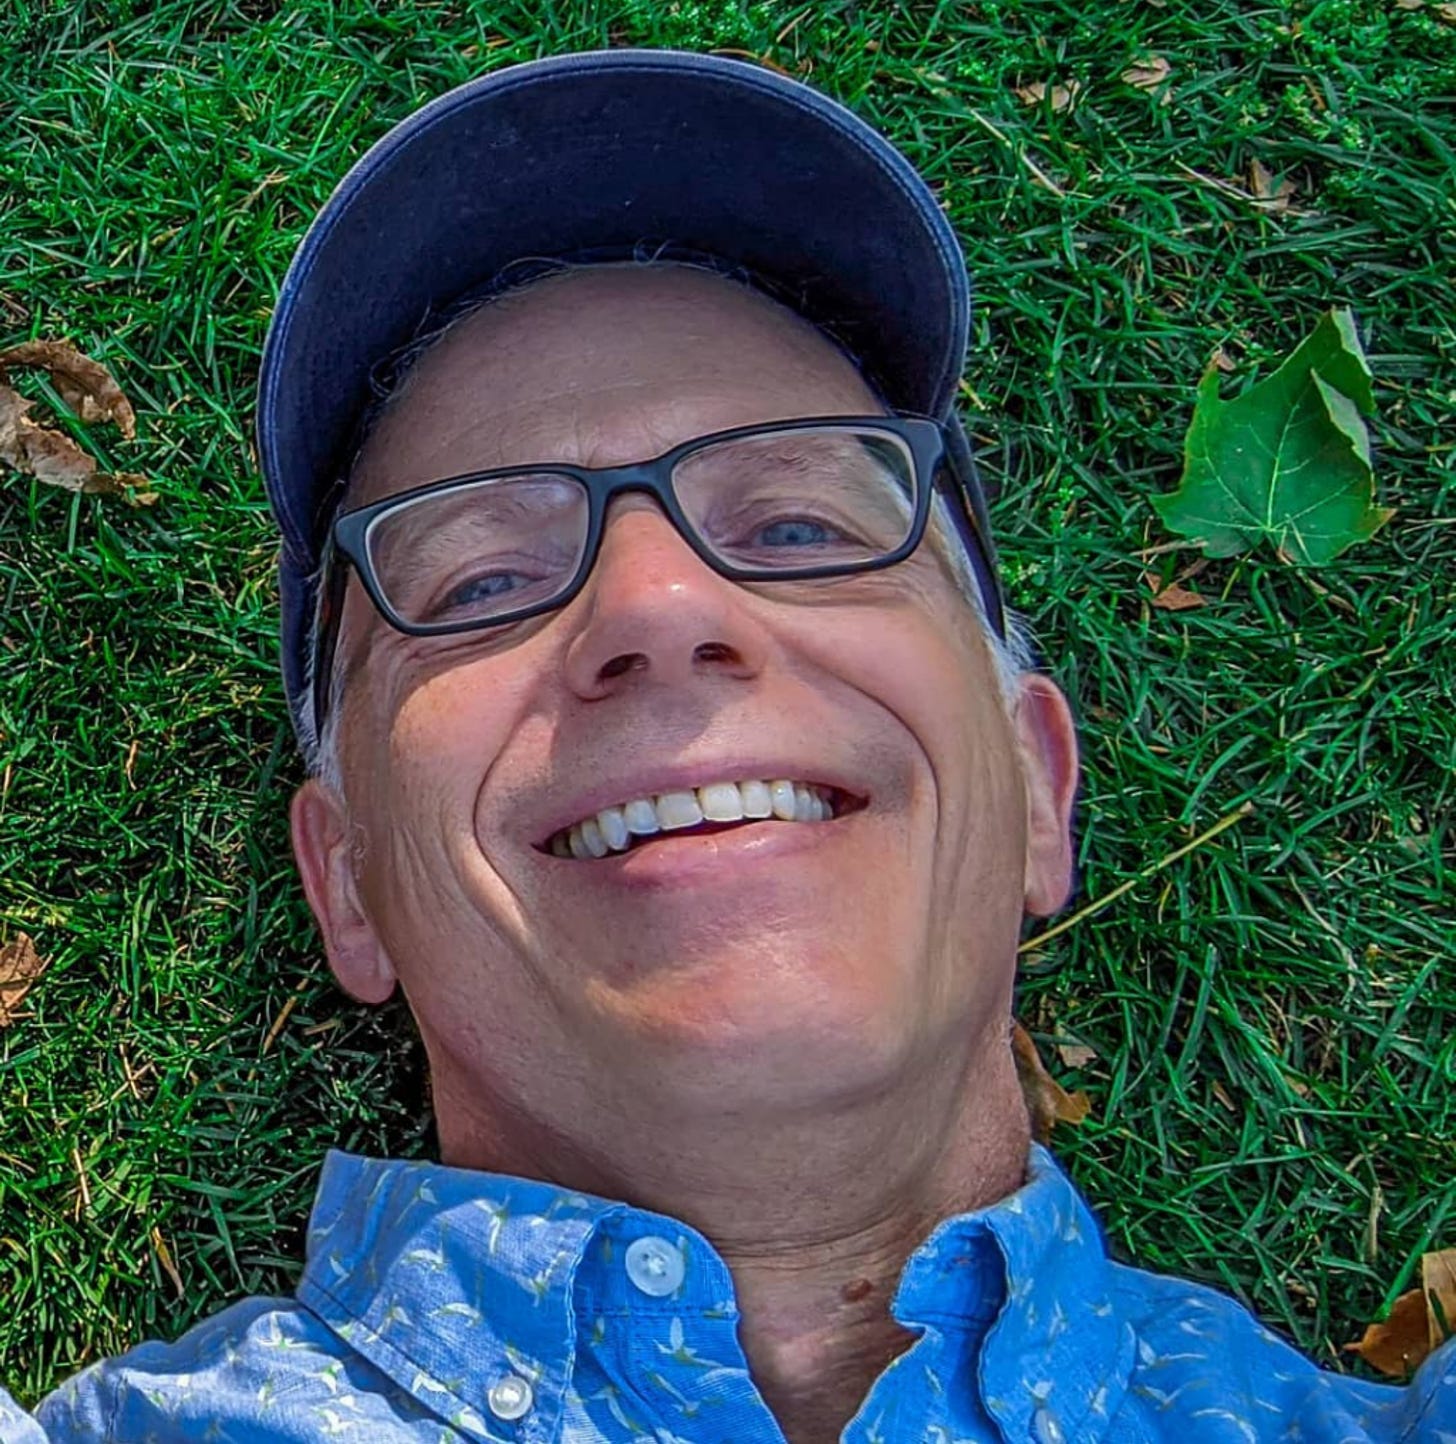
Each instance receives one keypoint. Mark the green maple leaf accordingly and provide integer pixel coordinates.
(1289, 459)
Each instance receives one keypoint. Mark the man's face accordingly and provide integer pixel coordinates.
(769, 965)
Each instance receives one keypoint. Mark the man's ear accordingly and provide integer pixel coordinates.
(1047, 737)
(321, 843)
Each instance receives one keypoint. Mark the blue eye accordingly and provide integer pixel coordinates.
(493, 584)
(795, 532)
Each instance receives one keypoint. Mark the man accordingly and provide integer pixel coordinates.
(672, 751)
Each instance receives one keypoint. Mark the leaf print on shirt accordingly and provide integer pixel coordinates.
(432, 1259)
(609, 1394)
(1237, 1420)
(457, 1310)
(679, 1352)
(686, 1406)
(499, 1213)
(275, 1338)
(395, 1314)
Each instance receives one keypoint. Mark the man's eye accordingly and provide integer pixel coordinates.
(493, 584)
(796, 532)
(481, 593)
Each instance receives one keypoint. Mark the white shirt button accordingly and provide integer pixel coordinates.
(509, 1397)
(655, 1266)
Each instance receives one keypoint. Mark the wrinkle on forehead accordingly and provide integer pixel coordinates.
(601, 366)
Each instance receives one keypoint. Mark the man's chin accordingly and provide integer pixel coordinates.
(756, 989)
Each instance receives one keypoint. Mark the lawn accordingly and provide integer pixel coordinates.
(1267, 1025)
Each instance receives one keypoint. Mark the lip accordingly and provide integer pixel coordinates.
(683, 777)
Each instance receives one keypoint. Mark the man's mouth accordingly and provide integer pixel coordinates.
(713, 808)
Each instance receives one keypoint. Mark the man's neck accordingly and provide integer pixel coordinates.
(815, 1319)
(815, 1220)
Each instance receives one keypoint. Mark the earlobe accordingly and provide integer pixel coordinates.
(321, 844)
(1047, 737)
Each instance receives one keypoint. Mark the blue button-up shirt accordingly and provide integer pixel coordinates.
(446, 1305)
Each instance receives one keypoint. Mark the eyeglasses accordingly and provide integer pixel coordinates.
(791, 501)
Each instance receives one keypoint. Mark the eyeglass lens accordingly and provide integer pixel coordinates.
(775, 502)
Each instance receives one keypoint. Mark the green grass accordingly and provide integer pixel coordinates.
(1274, 1014)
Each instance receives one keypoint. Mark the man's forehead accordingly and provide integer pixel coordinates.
(601, 365)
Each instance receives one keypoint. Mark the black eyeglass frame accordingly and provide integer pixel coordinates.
(933, 457)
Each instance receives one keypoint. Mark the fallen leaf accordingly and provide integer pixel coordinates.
(1222, 360)
(20, 966)
(1076, 1055)
(1447, 12)
(1062, 96)
(1048, 1102)
(86, 386)
(52, 457)
(1147, 74)
(1267, 195)
(1172, 597)
(33, 450)
(1438, 1283)
(164, 1257)
(1409, 4)
(1398, 1345)
(1288, 460)
(1415, 1328)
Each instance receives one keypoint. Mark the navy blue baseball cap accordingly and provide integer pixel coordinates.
(623, 150)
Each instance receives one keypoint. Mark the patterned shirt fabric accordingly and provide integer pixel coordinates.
(442, 1305)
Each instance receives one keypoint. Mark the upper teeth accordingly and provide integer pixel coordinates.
(612, 829)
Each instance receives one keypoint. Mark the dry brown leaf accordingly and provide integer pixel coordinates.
(164, 1257)
(1148, 74)
(1062, 96)
(1398, 1345)
(1048, 1102)
(1076, 1055)
(20, 966)
(1413, 1331)
(1446, 12)
(1173, 597)
(1409, 4)
(1438, 1283)
(1269, 196)
(86, 386)
(1222, 360)
(33, 450)
(52, 457)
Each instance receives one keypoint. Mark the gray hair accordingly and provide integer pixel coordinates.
(1011, 655)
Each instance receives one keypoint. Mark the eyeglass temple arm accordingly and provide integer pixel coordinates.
(972, 522)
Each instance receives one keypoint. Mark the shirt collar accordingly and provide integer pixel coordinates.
(1055, 1362)
(449, 1280)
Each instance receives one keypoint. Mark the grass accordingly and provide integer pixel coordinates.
(1273, 1014)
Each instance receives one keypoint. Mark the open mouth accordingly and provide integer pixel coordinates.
(696, 811)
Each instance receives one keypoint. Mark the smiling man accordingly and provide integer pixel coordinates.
(671, 750)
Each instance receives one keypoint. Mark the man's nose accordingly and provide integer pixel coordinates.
(652, 609)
